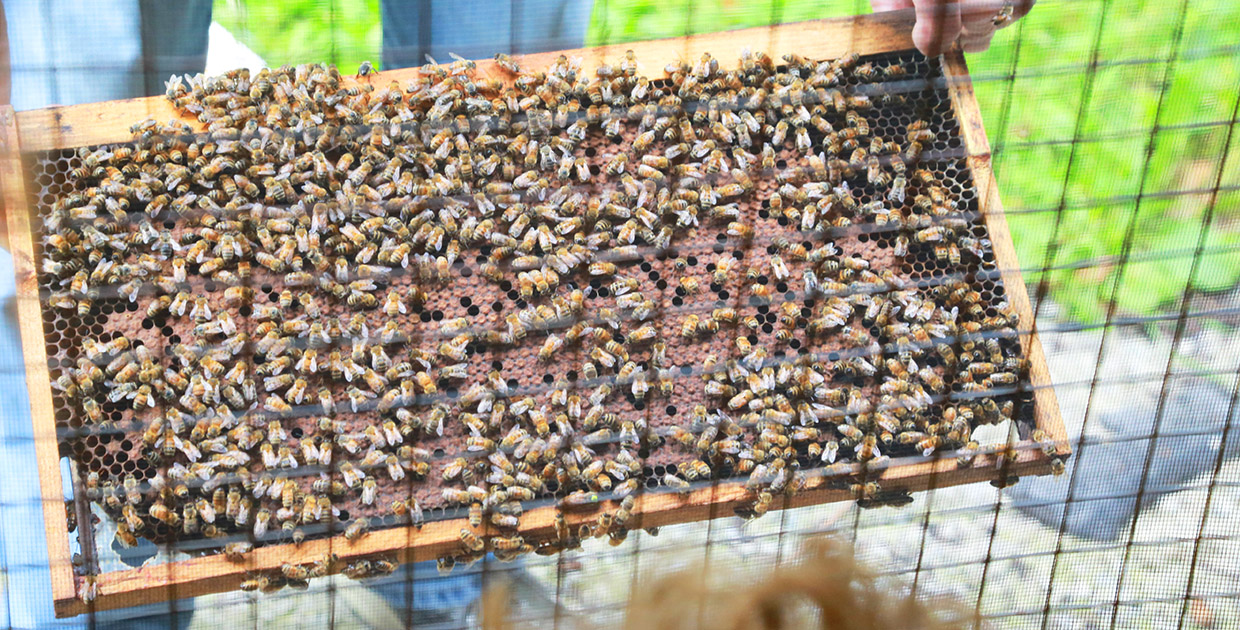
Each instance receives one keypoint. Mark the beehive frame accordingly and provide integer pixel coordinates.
(87, 125)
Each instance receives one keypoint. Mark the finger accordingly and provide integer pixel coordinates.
(977, 20)
(976, 41)
(1016, 9)
(1019, 10)
(938, 24)
(890, 5)
(976, 16)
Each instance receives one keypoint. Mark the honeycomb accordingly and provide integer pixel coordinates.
(114, 448)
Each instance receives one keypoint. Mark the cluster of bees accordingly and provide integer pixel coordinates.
(298, 576)
(359, 203)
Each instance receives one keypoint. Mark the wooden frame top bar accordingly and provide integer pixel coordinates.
(101, 123)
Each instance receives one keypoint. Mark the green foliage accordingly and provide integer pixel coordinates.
(342, 32)
(1032, 118)
(1097, 201)
(619, 21)
(1072, 202)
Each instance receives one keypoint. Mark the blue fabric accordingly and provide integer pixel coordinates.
(430, 590)
(23, 552)
(66, 52)
(58, 60)
(477, 29)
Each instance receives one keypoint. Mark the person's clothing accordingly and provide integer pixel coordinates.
(66, 52)
(478, 29)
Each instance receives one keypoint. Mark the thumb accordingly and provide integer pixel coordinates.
(938, 25)
(977, 25)
(976, 40)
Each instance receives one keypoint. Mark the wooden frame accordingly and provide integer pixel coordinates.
(83, 125)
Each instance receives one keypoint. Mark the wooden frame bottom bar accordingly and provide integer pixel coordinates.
(214, 574)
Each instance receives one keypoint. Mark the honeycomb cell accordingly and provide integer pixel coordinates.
(527, 377)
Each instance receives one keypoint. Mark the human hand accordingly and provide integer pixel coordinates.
(941, 22)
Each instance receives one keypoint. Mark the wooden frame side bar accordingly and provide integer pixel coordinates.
(1046, 406)
(34, 356)
(100, 123)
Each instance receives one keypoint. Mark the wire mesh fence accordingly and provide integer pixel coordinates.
(1116, 163)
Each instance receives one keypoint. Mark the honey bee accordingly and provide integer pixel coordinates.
(549, 347)
(506, 543)
(370, 490)
(689, 327)
(507, 63)
(258, 582)
(803, 142)
(456, 469)
(471, 541)
(676, 483)
(643, 141)
(356, 529)
(475, 515)
(602, 269)
(94, 412)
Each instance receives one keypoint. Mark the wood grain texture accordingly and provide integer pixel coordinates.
(1046, 405)
(68, 127)
(30, 322)
(100, 123)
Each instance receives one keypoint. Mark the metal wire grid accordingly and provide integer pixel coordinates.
(940, 157)
(686, 371)
(723, 544)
